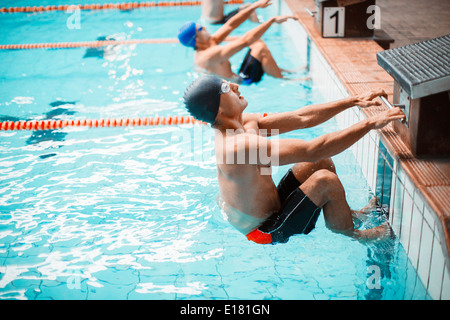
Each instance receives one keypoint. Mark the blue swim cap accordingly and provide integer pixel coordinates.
(202, 98)
(187, 34)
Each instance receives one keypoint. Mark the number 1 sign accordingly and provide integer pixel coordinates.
(333, 22)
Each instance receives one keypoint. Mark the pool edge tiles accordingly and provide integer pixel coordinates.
(412, 212)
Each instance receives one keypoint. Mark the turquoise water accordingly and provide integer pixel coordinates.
(130, 213)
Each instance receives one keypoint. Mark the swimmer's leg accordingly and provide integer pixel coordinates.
(303, 170)
(253, 16)
(261, 53)
(325, 190)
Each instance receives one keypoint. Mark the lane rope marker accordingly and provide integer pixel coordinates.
(99, 123)
(91, 44)
(120, 6)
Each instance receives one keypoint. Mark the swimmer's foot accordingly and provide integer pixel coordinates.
(298, 79)
(373, 202)
(381, 232)
(362, 214)
(293, 70)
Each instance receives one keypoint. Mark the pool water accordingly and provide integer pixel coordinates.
(131, 213)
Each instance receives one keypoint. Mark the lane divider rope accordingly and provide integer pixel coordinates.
(98, 123)
(94, 123)
(121, 6)
(91, 44)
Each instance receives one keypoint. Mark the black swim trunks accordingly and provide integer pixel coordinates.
(227, 17)
(298, 214)
(251, 70)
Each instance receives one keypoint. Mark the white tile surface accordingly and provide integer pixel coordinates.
(436, 270)
(365, 156)
(372, 161)
(445, 294)
(405, 227)
(429, 216)
(426, 247)
(397, 209)
(415, 236)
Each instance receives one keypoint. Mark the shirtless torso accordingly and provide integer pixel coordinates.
(244, 187)
(206, 61)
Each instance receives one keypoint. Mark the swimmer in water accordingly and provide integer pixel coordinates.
(213, 58)
(266, 213)
(213, 12)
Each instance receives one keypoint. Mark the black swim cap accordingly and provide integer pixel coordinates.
(202, 98)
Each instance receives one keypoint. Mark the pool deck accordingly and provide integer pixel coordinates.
(355, 63)
(410, 21)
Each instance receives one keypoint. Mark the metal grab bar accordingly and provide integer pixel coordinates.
(390, 106)
(311, 13)
(386, 102)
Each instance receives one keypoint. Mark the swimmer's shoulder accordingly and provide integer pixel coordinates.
(251, 121)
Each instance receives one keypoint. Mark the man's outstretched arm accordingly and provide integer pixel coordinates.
(328, 145)
(289, 151)
(227, 51)
(237, 20)
(313, 115)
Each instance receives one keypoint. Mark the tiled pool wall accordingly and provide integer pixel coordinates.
(412, 219)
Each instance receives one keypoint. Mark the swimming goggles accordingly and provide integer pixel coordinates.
(225, 87)
(193, 38)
